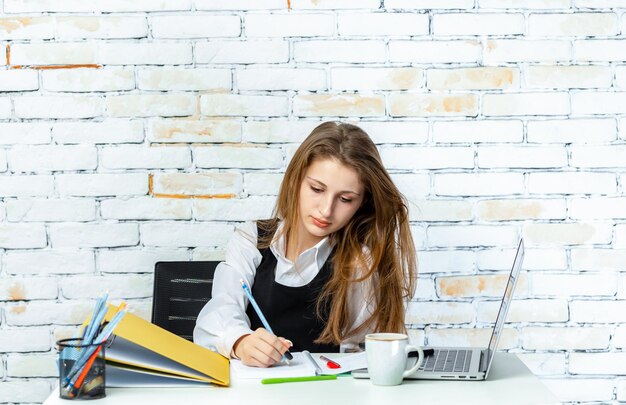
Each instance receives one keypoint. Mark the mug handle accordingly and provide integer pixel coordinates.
(420, 352)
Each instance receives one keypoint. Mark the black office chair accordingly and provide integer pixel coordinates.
(180, 291)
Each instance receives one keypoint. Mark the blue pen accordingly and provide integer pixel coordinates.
(266, 325)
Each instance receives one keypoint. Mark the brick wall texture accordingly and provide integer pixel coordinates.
(138, 131)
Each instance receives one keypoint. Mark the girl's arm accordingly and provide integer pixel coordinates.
(223, 319)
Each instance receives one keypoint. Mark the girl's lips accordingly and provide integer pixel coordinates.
(320, 223)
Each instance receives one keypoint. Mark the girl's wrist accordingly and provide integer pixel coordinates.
(233, 352)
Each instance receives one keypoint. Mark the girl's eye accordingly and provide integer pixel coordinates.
(345, 200)
(316, 190)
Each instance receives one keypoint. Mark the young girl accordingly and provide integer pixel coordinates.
(336, 262)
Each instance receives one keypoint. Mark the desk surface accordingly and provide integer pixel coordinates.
(510, 382)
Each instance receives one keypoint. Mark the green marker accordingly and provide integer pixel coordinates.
(297, 379)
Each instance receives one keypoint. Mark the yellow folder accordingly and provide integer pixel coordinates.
(143, 345)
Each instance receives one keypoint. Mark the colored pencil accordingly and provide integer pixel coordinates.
(298, 379)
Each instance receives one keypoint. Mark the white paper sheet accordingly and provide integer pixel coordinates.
(300, 366)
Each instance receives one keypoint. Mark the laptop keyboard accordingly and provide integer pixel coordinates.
(448, 360)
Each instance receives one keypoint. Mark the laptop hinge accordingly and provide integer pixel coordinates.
(483, 360)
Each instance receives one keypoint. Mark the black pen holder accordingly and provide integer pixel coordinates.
(81, 369)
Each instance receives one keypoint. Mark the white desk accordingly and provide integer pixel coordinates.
(510, 382)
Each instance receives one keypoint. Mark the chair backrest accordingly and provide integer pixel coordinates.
(180, 291)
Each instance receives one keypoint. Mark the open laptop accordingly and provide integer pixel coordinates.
(466, 363)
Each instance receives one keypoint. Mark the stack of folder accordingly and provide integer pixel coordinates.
(142, 354)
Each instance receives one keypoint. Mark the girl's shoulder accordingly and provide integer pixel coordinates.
(256, 231)
(247, 231)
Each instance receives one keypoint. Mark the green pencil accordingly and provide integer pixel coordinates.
(297, 379)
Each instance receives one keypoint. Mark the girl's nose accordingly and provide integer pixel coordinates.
(326, 207)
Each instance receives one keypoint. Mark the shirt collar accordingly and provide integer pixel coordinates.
(321, 249)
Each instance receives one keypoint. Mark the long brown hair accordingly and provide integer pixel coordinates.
(380, 225)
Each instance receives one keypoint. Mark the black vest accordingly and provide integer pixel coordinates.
(290, 311)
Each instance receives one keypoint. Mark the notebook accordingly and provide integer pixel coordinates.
(467, 363)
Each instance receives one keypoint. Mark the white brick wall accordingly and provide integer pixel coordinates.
(51, 210)
(498, 51)
(375, 24)
(596, 130)
(31, 339)
(573, 25)
(88, 80)
(108, 131)
(145, 208)
(26, 185)
(184, 79)
(478, 184)
(568, 76)
(48, 107)
(14, 133)
(135, 132)
(413, 158)
(289, 25)
(478, 131)
(195, 26)
(598, 50)
(151, 105)
(52, 158)
(94, 235)
(72, 6)
(253, 51)
(119, 286)
(111, 27)
(200, 131)
(434, 51)
(33, 28)
(571, 183)
(241, 156)
(375, 78)
(168, 234)
(282, 78)
(348, 51)
(457, 24)
(45, 262)
(135, 260)
(238, 105)
(82, 185)
(6, 108)
(18, 80)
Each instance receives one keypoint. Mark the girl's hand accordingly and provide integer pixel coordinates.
(261, 348)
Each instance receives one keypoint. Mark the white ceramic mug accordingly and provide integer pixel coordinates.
(387, 355)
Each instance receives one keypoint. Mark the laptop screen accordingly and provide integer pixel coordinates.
(504, 307)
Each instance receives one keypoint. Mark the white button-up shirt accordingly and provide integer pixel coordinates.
(223, 319)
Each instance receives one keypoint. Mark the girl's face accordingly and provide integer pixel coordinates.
(330, 195)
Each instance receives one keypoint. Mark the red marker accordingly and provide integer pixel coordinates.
(330, 363)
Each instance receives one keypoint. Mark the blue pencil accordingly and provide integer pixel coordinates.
(100, 339)
(99, 314)
(266, 325)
